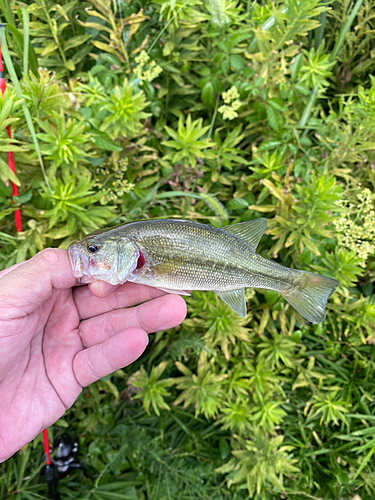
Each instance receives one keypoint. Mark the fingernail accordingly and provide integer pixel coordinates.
(105, 288)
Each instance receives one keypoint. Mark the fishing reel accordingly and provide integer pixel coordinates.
(63, 454)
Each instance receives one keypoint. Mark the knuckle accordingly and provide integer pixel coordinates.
(107, 359)
(140, 318)
(82, 334)
(51, 257)
(108, 327)
(90, 367)
(113, 300)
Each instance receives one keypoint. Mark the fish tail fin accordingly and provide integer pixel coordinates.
(309, 295)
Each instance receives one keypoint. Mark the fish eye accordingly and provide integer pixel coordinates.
(93, 247)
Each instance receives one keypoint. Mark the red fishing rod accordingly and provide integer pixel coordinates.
(17, 212)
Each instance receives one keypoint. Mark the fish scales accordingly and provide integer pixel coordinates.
(178, 255)
(199, 257)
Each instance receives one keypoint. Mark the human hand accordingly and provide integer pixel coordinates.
(56, 339)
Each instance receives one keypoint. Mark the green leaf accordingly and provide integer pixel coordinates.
(237, 62)
(273, 119)
(70, 65)
(103, 141)
(76, 41)
(26, 40)
(345, 28)
(148, 181)
(237, 204)
(207, 94)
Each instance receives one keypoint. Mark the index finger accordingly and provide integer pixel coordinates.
(127, 295)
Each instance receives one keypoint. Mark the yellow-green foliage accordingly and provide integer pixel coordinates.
(356, 226)
(219, 111)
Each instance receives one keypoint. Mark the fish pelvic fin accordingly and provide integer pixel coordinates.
(175, 292)
(235, 300)
(250, 231)
(309, 295)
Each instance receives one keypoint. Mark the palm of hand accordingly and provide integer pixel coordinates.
(55, 339)
(37, 379)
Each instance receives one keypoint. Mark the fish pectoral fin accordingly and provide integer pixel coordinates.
(176, 292)
(235, 300)
(250, 231)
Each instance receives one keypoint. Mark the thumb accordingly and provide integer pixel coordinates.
(25, 287)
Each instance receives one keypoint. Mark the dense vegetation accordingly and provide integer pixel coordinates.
(218, 111)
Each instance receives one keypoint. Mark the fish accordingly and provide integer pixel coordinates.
(179, 256)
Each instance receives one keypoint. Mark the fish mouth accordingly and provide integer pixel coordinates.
(80, 264)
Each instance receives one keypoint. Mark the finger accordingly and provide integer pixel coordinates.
(118, 351)
(27, 286)
(10, 269)
(101, 288)
(152, 316)
(127, 295)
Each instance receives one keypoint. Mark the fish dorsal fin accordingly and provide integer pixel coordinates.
(250, 231)
(235, 299)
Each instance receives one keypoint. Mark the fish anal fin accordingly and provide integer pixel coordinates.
(250, 231)
(235, 300)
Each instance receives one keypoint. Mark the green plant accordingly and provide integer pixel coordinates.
(63, 141)
(153, 391)
(174, 11)
(7, 106)
(187, 141)
(203, 389)
(267, 414)
(298, 223)
(317, 68)
(69, 211)
(124, 111)
(328, 407)
(223, 326)
(263, 459)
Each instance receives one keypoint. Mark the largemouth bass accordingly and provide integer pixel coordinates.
(179, 255)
